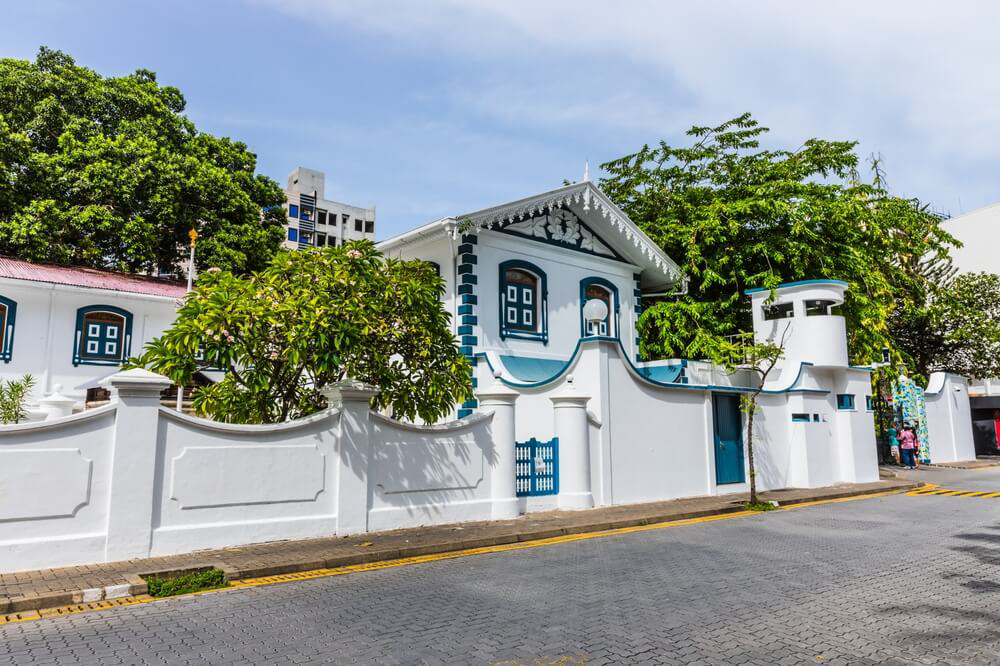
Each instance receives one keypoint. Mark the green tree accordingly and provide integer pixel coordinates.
(109, 173)
(736, 216)
(310, 319)
(951, 325)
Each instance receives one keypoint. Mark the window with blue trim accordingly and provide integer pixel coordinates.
(523, 301)
(869, 403)
(8, 312)
(103, 335)
(602, 290)
(845, 401)
(293, 210)
(293, 234)
(800, 418)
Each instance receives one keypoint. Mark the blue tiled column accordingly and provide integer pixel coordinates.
(467, 319)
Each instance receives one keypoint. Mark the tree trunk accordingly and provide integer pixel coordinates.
(751, 470)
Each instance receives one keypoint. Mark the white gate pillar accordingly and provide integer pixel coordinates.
(570, 409)
(503, 489)
(354, 453)
(133, 466)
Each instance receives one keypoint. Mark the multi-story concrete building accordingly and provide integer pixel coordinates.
(314, 221)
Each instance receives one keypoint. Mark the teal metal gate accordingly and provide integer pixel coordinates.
(536, 466)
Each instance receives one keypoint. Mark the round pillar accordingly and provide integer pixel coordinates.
(500, 400)
(570, 409)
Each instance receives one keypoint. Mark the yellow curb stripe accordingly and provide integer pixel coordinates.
(407, 561)
(932, 489)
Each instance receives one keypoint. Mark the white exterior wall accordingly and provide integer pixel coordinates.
(55, 489)
(651, 443)
(430, 474)
(218, 484)
(949, 419)
(564, 270)
(45, 332)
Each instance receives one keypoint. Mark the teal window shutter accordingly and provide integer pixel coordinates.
(103, 335)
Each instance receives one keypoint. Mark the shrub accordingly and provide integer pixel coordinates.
(211, 579)
(14, 395)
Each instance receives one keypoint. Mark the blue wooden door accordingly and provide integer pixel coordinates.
(728, 439)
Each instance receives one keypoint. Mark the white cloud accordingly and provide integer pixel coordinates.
(915, 81)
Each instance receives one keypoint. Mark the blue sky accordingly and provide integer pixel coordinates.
(440, 107)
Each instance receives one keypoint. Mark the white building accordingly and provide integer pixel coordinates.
(315, 221)
(74, 326)
(517, 279)
(979, 232)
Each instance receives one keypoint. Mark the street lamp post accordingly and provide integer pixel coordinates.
(193, 235)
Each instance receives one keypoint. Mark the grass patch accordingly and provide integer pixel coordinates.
(212, 579)
(759, 506)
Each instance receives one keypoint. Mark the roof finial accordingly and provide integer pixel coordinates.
(586, 171)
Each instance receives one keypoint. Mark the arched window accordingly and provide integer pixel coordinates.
(8, 311)
(603, 290)
(103, 335)
(523, 301)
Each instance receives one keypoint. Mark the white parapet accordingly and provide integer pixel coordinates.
(799, 316)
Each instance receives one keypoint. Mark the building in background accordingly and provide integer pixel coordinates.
(314, 221)
(979, 232)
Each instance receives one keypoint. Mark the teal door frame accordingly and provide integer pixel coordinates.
(727, 422)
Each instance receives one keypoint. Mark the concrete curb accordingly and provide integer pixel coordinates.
(135, 584)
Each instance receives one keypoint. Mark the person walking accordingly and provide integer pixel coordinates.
(893, 436)
(907, 444)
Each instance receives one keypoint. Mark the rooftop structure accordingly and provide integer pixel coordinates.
(315, 221)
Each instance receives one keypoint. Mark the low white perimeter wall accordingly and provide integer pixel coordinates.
(430, 474)
(949, 419)
(55, 485)
(134, 480)
(220, 484)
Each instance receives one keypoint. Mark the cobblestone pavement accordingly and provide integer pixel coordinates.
(893, 580)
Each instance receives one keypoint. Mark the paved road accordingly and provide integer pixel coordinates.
(894, 580)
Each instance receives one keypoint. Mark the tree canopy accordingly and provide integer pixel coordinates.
(953, 325)
(737, 216)
(107, 172)
(309, 319)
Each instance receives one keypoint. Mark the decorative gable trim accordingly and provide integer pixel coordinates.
(582, 194)
(563, 228)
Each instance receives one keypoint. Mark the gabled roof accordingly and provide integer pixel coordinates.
(90, 278)
(658, 270)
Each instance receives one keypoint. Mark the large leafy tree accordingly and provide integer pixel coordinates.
(735, 216)
(952, 325)
(109, 173)
(310, 319)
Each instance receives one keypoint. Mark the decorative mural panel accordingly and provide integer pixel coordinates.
(909, 399)
(561, 227)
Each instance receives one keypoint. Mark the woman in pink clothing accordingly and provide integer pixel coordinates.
(908, 445)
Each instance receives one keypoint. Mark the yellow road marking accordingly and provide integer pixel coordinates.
(934, 489)
(74, 609)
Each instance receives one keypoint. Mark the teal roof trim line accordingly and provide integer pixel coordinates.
(527, 369)
(665, 374)
(563, 366)
(798, 283)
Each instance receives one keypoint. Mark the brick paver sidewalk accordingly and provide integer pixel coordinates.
(46, 588)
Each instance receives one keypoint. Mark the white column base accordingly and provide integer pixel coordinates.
(575, 500)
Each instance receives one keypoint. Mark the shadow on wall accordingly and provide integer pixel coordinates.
(427, 470)
(767, 457)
